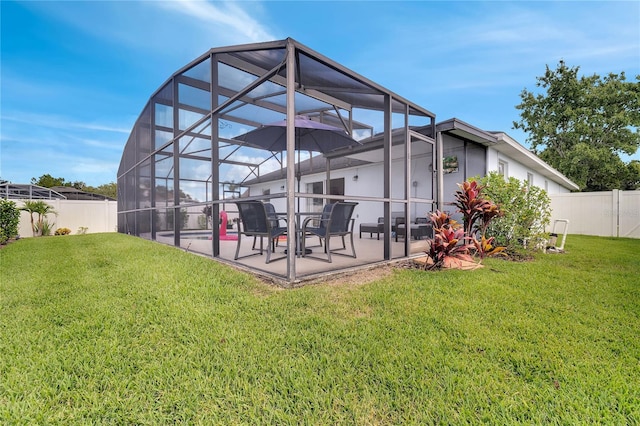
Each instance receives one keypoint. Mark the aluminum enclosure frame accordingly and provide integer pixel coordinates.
(188, 124)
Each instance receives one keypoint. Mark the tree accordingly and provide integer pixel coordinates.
(48, 181)
(108, 189)
(581, 125)
(42, 209)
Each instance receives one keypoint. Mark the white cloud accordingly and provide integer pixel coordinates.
(60, 122)
(118, 146)
(180, 28)
(228, 14)
(500, 44)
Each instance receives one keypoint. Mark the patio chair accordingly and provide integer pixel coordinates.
(335, 221)
(275, 223)
(255, 222)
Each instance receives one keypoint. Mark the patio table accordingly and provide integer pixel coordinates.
(298, 224)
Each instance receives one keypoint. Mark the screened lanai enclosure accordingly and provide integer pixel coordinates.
(294, 134)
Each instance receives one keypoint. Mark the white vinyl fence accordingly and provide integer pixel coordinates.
(96, 216)
(609, 214)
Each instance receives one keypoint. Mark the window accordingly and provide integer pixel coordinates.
(503, 169)
(315, 204)
(336, 187)
(530, 179)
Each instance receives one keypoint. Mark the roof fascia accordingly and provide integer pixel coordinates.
(504, 140)
(463, 129)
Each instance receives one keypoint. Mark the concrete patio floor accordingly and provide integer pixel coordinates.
(369, 252)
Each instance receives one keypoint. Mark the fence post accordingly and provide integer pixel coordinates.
(615, 210)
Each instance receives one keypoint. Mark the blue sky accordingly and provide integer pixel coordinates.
(75, 75)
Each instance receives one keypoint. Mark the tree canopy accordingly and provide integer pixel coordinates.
(48, 181)
(582, 125)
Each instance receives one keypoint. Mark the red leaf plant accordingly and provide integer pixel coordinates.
(449, 244)
(484, 247)
(477, 213)
(471, 204)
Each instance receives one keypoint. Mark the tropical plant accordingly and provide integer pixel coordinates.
(449, 244)
(63, 231)
(470, 203)
(45, 228)
(9, 219)
(477, 212)
(40, 208)
(440, 219)
(485, 247)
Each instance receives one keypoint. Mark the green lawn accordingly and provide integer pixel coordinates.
(109, 328)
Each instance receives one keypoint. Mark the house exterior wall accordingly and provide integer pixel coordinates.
(519, 171)
(473, 160)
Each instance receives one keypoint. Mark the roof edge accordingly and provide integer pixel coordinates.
(504, 139)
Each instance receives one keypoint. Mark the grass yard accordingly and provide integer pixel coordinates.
(108, 328)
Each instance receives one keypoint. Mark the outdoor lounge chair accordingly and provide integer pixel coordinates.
(335, 221)
(420, 228)
(372, 228)
(378, 228)
(255, 222)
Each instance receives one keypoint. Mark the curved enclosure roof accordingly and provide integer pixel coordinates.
(250, 92)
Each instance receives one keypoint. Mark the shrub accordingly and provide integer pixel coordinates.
(478, 212)
(63, 231)
(44, 228)
(449, 243)
(9, 219)
(453, 242)
(526, 212)
(472, 205)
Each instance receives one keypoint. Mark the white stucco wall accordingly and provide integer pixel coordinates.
(519, 171)
(369, 182)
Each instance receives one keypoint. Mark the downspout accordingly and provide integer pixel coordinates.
(439, 172)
